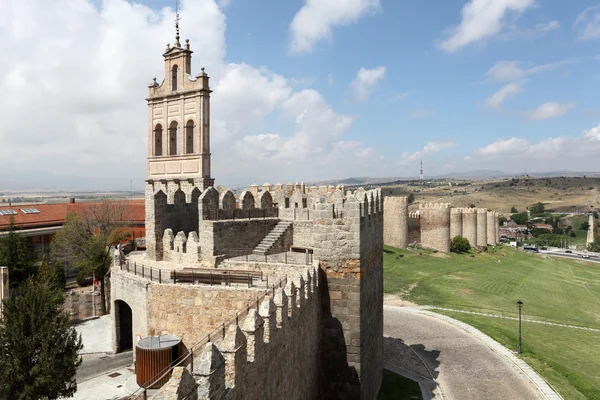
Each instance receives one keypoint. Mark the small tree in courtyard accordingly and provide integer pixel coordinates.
(86, 237)
(16, 254)
(460, 244)
(39, 351)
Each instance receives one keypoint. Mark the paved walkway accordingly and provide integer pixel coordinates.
(452, 360)
(95, 335)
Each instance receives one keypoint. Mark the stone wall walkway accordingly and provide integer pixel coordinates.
(452, 360)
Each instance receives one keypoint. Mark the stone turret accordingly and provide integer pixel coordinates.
(455, 222)
(435, 226)
(395, 221)
(481, 227)
(469, 216)
(491, 227)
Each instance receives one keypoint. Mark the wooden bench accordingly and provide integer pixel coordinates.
(211, 278)
(254, 274)
(301, 249)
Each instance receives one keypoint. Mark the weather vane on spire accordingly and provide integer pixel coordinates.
(177, 19)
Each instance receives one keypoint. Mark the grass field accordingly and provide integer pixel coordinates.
(558, 290)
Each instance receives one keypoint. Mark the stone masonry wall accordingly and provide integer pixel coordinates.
(193, 311)
(414, 228)
(491, 227)
(435, 226)
(455, 222)
(227, 237)
(482, 227)
(395, 222)
(470, 225)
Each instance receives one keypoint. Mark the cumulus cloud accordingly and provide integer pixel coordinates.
(482, 19)
(550, 110)
(429, 148)
(587, 23)
(577, 153)
(505, 93)
(317, 18)
(74, 88)
(511, 71)
(366, 81)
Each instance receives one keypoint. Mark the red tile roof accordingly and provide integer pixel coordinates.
(55, 214)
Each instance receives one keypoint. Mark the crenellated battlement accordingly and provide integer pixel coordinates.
(414, 215)
(429, 206)
(235, 362)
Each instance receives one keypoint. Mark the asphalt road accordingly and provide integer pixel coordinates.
(449, 362)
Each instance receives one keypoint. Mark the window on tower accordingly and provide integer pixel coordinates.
(158, 131)
(189, 137)
(174, 77)
(173, 138)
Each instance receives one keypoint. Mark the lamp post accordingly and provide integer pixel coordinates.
(520, 348)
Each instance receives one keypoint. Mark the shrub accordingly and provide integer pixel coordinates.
(459, 244)
(83, 279)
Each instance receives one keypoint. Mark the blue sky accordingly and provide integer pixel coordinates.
(318, 89)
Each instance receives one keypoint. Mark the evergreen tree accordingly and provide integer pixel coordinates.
(53, 274)
(460, 244)
(16, 254)
(39, 352)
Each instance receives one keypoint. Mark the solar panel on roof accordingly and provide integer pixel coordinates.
(8, 212)
(30, 210)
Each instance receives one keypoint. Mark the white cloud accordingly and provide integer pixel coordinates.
(74, 88)
(400, 96)
(505, 93)
(550, 110)
(316, 19)
(482, 19)
(577, 153)
(511, 71)
(429, 148)
(587, 23)
(366, 81)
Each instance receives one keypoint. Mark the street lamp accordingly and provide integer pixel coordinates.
(520, 348)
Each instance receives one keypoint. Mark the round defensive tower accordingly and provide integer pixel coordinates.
(435, 226)
(491, 227)
(481, 227)
(395, 221)
(469, 228)
(497, 223)
(456, 221)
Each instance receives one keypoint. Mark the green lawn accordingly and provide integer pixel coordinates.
(397, 387)
(558, 290)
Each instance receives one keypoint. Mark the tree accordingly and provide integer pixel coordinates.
(411, 198)
(16, 253)
(53, 274)
(520, 218)
(514, 210)
(537, 209)
(584, 226)
(86, 237)
(460, 244)
(595, 245)
(39, 352)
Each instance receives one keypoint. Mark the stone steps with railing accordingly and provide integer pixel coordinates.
(272, 237)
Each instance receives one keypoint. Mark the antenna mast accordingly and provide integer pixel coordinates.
(421, 175)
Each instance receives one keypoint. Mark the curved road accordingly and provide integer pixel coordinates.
(449, 362)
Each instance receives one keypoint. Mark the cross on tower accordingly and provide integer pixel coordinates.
(177, 19)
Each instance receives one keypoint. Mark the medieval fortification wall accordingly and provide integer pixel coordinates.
(435, 224)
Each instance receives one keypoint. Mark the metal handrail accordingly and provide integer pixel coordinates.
(142, 393)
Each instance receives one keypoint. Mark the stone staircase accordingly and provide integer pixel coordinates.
(272, 237)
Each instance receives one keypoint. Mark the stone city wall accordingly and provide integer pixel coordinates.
(435, 226)
(273, 353)
(482, 227)
(491, 227)
(395, 221)
(180, 249)
(455, 222)
(470, 225)
(414, 229)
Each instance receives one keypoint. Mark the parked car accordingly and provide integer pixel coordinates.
(569, 251)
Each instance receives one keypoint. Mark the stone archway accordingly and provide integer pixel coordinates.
(124, 326)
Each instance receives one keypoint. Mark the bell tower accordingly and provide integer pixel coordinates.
(179, 121)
